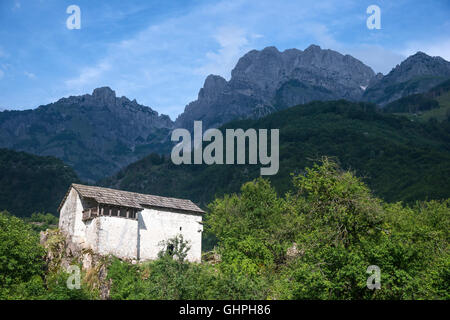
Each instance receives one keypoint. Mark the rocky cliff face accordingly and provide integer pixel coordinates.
(267, 80)
(62, 252)
(96, 134)
(417, 74)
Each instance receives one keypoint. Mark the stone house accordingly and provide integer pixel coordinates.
(128, 225)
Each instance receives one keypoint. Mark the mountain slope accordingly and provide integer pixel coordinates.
(417, 74)
(261, 80)
(95, 134)
(434, 104)
(30, 183)
(399, 159)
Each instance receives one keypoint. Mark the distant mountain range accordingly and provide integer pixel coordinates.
(95, 134)
(268, 80)
(98, 134)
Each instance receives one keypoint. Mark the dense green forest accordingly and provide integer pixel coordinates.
(315, 242)
(32, 183)
(398, 158)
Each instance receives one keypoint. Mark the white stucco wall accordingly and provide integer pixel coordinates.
(67, 213)
(117, 236)
(91, 238)
(157, 225)
(79, 230)
(71, 223)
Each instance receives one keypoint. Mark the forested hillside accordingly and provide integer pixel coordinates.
(398, 158)
(314, 243)
(434, 104)
(30, 183)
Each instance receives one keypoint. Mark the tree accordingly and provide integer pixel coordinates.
(21, 256)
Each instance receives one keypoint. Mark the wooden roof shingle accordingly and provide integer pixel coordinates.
(132, 199)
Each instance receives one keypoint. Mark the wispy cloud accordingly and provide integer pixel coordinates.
(16, 5)
(233, 42)
(29, 75)
(88, 76)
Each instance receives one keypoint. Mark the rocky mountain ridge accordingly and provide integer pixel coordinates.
(417, 74)
(267, 80)
(96, 134)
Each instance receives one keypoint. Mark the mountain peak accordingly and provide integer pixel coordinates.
(313, 47)
(213, 85)
(103, 92)
(270, 49)
(421, 57)
(104, 95)
(418, 73)
(423, 64)
(266, 79)
(420, 53)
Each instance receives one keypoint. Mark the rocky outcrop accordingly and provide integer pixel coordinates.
(268, 80)
(417, 74)
(63, 253)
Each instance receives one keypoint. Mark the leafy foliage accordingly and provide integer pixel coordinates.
(21, 261)
(168, 278)
(23, 273)
(335, 229)
(41, 222)
(316, 242)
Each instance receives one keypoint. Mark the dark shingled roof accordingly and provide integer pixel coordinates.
(133, 199)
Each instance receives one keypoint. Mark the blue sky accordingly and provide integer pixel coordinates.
(160, 52)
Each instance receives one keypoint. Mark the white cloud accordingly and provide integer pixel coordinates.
(322, 35)
(233, 42)
(30, 75)
(88, 76)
